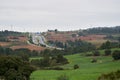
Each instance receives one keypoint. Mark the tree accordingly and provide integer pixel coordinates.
(106, 45)
(24, 56)
(110, 76)
(119, 41)
(76, 66)
(107, 52)
(116, 55)
(96, 53)
(63, 77)
(93, 60)
(13, 68)
(61, 59)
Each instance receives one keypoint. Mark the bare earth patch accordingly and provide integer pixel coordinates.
(31, 47)
(5, 43)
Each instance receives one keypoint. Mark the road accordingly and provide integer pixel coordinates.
(38, 39)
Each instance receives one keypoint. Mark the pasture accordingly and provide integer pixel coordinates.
(87, 70)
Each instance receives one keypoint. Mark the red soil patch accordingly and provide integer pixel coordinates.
(92, 37)
(20, 38)
(4, 43)
(63, 37)
(31, 47)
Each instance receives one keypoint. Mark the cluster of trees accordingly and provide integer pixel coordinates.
(48, 61)
(10, 33)
(56, 43)
(110, 76)
(107, 52)
(78, 46)
(63, 77)
(24, 53)
(101, 30)
(116, 55)
(72, 47)
(4, 34)
(13, 68)
(109, 45)
(30, 39)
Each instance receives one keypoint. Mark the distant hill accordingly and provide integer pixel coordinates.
(101, 30)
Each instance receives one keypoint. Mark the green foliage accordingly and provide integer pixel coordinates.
(109, 45)
(56, 44)
(116, 55)
(63, 77)
(88, 54)
(76, 66)
(73, 35)
(61, 60)
(96, 53)
(9, 33)
(13, 68)
(56, 68)
(72, 47)
(110, 76)
(107, 52)
(119, 39)
(46, 61)
(87, 70)
(94, 60)
(6, 33)
(23, 53)
(106, 45)
(30, 39)
(102, 30)
(78, 46)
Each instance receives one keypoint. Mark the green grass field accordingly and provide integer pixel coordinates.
(87, 70)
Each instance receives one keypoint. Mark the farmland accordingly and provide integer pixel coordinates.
(17, 42)
(95, 39)
(28, 46)
(87, 70)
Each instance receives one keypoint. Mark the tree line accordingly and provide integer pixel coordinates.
(101, 30)
(13, 68)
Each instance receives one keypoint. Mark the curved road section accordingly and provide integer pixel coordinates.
(39, 40)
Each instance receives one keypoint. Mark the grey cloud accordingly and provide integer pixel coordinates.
(59, 13)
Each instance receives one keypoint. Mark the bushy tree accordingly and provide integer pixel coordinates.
(48, 61)
(96, 53)
(93, 60)
(63, 77)
(76, 66)
(106, 45)
(110, 76)
(116, 55)
(107, 52)
(61, 59)
(13, 68)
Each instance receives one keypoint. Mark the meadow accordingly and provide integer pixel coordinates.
(86, 71)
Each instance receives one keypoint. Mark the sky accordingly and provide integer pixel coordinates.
(65, 15)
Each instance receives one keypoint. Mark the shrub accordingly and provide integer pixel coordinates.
(76, 66)
(107, 52)
(56, 68)
(96, 53)
(110, 76)
(116, 55)
(94, 60)
(63, 77)
(88, 54)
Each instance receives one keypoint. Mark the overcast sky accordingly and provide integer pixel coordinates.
(41, 15)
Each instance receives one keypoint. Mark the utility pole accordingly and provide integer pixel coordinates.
(11, 27)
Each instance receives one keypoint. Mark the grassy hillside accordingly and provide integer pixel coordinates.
(87, 70)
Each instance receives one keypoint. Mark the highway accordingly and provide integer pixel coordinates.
(39, 40)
